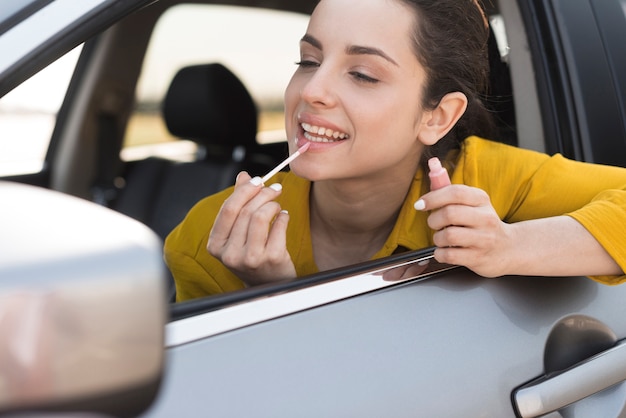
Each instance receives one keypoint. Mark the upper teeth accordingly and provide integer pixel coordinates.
(324, 134)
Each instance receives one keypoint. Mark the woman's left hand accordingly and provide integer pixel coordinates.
(468, 231)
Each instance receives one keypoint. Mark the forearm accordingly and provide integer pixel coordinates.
(557, 246)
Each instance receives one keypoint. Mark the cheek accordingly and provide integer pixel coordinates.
(292, 92)
(390, 119)
(291, 99)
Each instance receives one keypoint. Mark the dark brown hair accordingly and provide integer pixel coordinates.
(450, 41)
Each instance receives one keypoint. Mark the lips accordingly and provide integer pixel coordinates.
(316, 133)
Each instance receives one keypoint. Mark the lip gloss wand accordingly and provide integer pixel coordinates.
(289, 159)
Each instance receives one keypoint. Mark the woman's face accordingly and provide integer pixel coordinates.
(356, 94)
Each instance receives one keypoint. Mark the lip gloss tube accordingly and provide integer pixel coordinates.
(438, 174)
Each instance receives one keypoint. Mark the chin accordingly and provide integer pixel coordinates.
(307, 173)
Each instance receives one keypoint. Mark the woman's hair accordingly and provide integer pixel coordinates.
(450, 40)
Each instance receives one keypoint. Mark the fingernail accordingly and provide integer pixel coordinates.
(256, 181)
(276, 187)
(284, 211)
(420, 205)
(423, 262)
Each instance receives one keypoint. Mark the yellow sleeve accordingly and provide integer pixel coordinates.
(525, 184)
(197, 273)
(605, 218)
(194, 281)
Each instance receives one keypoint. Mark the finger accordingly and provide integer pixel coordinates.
(449, 255)
(259, 226)
(463, 237)
(242, 178)
(459, 256)
(454, 194)
(461, 215)
(242, 224)
(230, 210)
(468, 257)
(252, 253)
(277, 237)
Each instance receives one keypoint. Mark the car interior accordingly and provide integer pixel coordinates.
(209, 105)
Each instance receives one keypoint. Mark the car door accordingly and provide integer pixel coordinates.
(350, 343)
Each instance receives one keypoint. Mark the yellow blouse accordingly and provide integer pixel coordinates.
(522, 185)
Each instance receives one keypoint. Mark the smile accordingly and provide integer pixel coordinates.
(320, 134)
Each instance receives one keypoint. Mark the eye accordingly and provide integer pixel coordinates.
(363, 78)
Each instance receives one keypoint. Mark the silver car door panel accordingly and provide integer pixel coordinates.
(455, 345)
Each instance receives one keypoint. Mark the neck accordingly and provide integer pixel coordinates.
(351, 219)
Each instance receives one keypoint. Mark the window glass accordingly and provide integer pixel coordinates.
(28, 114)
(259, 46)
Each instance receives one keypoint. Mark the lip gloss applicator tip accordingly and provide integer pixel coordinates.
(303, 148)
(288, 160)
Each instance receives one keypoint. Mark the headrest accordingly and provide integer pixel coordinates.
(209, 105)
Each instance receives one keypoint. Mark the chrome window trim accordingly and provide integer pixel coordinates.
(187, 330)
(35, 30)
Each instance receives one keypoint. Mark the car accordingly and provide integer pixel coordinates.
(103, 150)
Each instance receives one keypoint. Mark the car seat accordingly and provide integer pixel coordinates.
(209, 105)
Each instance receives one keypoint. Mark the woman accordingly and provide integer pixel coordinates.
(381, 86)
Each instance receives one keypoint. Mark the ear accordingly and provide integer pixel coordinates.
(438, 122)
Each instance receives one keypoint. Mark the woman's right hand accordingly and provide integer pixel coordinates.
(249, 234)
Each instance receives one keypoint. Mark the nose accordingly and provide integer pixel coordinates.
(319, 88)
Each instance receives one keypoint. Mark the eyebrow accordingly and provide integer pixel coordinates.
(351, 50)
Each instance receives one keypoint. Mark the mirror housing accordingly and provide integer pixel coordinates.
(83, 306)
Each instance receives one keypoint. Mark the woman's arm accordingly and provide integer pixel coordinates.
(469, 232)
(559, 246)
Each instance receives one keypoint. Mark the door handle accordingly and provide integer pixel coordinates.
(557, 390)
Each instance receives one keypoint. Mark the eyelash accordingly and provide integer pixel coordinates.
(307, 64)
(363, 78)
(360, 77)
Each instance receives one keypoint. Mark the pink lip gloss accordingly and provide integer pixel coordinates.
(438, 178)
(438, 174)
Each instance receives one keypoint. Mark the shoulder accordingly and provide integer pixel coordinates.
(487, 160)
(483, 149)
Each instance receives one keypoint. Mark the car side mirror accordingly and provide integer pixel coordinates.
(83, 306)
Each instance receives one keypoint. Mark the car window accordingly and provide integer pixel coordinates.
(200, 34)
(28, 114)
